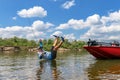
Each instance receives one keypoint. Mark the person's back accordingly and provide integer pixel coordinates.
(47, 55)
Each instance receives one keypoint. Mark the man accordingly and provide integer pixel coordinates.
(40, 48)
(52, 54)
(40, 43)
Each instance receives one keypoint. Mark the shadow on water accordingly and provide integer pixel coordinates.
(48, 70)
(104, 70)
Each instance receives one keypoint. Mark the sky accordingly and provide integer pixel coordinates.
(73, 19)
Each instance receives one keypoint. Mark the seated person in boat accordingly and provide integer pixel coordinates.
(115, 43)
(92, 43)
(52, 54)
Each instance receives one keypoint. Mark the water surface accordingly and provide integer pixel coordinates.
(68, 66)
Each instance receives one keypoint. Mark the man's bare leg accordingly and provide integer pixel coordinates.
(55, 41)
(58, 46)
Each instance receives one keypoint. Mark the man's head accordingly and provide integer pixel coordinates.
(40, 40)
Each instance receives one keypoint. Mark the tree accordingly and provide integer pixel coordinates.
(21, 42)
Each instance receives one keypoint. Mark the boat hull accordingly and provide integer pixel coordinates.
(104, 52)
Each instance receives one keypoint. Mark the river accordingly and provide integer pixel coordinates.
(70, 65)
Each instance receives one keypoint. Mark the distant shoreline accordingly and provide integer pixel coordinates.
(13, 48)
(23, 48)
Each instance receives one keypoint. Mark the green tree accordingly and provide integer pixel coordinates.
(47, 43)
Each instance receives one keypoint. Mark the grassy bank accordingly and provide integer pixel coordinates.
(24, 44)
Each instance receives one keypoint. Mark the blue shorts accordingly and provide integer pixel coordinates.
(49, 55)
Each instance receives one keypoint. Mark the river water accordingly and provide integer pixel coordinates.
(68, 66)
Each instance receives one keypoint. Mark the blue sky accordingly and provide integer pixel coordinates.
(73, 19)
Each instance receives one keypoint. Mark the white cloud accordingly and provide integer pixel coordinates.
(58, 33)
(113, 18)
(81, 24)
(93, 20)
(96, 27)
(103, 33)
(68, 4)
(36, 11)
(36, 35)
(74, 24)
(108, 28)
(12, 31)
(14, 18)
(41, 26)
(104, 27)
(37, 30)
(70, 36)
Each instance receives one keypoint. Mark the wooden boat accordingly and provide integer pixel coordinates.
(102, 50)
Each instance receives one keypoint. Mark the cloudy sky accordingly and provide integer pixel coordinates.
(73, 19)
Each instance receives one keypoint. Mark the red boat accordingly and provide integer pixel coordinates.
(102, 50)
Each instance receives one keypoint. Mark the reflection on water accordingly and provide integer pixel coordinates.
(104, 70)
(17, 66)
(67, 66)
(48, 70)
